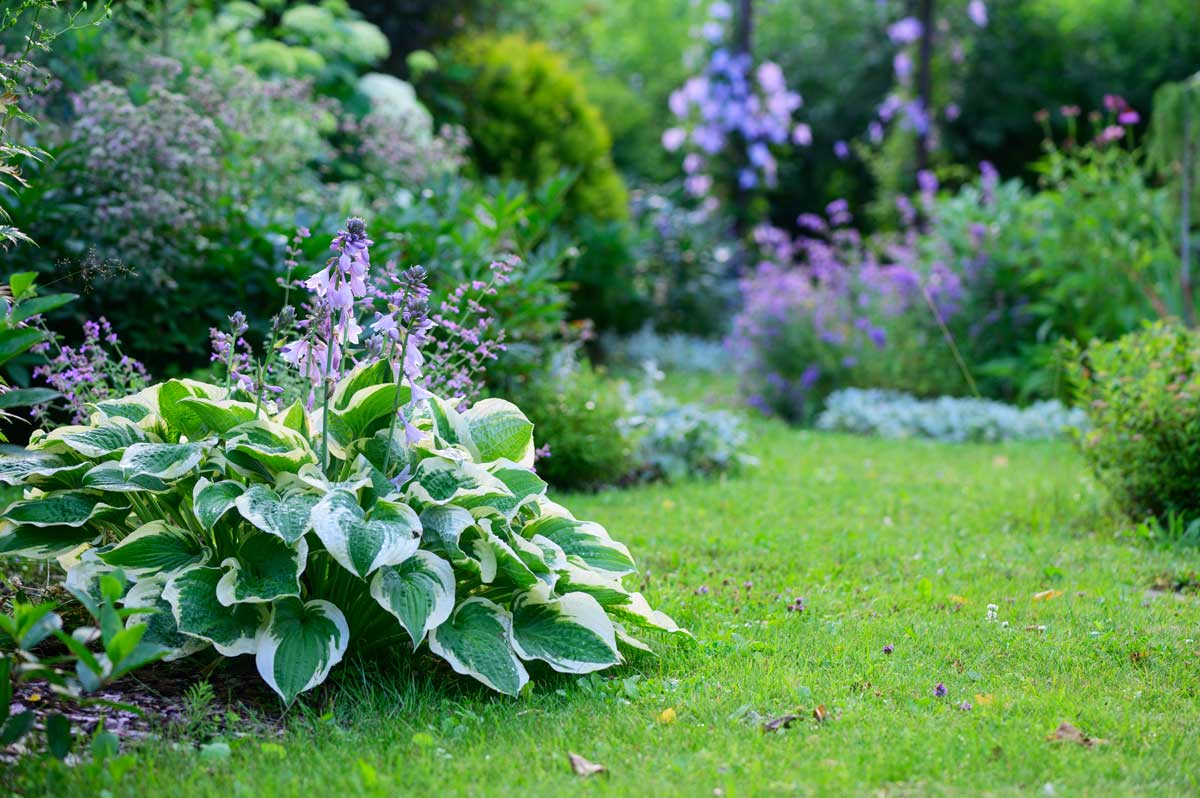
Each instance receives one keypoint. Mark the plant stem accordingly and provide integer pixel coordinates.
(325, 393)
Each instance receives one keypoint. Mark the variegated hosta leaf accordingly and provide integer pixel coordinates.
(192, 595)
(211, 500)
(498, 561)
(300, 645)
(450, 426)
(361, 544)
(264, 569)
(114, 436)
(607, 590)
(43, 542)
(418, 591)
(286, 517)
(475, 640)
(161, 629)
(369, 410)
(273, 446)
(26, 467)
(111, 477)
(571, 634)
(587, 541)
(313, 477)
(294, 417)
(217, 415)
(364, 375)
(129, 407)
(637, 611)
(156, 547)
(442, 526)
(163, 460)
(525, 485)
(64, 508)
(627, 641)
(441, 481)
(180, 418)
(500, 431)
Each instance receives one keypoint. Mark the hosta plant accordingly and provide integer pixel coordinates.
(274, 531)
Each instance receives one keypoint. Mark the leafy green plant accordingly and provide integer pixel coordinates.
(26, 627)
(1140, 393)
(529, 118)
(216, 506)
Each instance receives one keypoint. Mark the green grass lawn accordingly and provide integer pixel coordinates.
(889, 543)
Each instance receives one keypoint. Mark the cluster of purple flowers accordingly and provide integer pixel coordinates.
(89, 372)
(732, 104)
(393, 156)
(1112, 125)
(817, 303)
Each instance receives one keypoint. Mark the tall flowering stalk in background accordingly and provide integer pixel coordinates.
(735, 109)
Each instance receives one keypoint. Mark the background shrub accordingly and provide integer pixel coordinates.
(1142, 395)
(528, 116)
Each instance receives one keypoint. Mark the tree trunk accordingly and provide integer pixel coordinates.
(743, 42)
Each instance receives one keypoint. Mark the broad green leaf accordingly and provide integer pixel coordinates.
(286, 517)
(441, 481)
(362, 376)
(161, 628)
(585, 540)
(211, 500)
(264, 569)
(418, 591)
(571, 634)
(300, 645)
(37, 305)
(58, 736)
(44, 542)
(20, 282)
(180, 418)
(475, 640)
(361, 544)
(500, 431)
(628, 642)
(367, 412)
(295, 417)
(272, 445)
(156, 547)
(19, 465)
(26, 397)
(17, 341)
(115, 435)
(218, 415)
(64, 508)
(192, 595)
(109, 476)
(163, 460)
(450, 426)
(522, 482)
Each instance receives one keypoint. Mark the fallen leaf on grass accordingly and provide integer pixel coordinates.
(667, 716)
(782, 722)
(582, 767)
(984, 699)
(820, 714)
(1066, 733)
(1000, 461)
(1047, 595)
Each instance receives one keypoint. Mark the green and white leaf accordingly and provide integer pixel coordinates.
(111, 477)
(265, 569)
(20, 466)
(498, 559)
(161, 629)
(156, 547)
(300, 644)
(284, 516)
(438, 480)
(166, 461)
(571, 634)
(607, 590)
(43, 542)
(112, 437)
(360, 544)
(500, 431)
(211, 500)
(476, 641)
(524, 484)
(637, 611)
(63, 508)
(442, 527)
(587, 541)
(192, 595)
(418, 591)
(273, 446)
(216, 415)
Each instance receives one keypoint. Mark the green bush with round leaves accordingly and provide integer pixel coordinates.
(219, 513)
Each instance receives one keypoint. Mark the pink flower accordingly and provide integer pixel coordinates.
(1129, 117)
(673, 138)
(802, 135)
(977, 11)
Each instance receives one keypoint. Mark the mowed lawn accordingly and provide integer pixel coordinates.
(888, 543)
